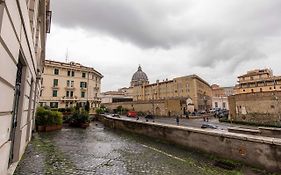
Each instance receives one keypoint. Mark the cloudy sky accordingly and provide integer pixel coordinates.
(217, 40)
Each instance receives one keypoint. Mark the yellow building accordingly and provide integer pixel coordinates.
(65, 85)
(197, 91)
(260, 80)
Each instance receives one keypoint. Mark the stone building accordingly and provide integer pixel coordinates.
(220, 96)
(114, 97)
(139, 78)
(23, 28)
(192, 88)
(259, 80)
(66, 84)
(169, 97)
(257, 98)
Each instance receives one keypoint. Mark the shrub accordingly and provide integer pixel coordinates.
(80, 117)
(47, 117)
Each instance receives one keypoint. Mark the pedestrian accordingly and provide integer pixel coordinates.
(178, 120)
(138, 118)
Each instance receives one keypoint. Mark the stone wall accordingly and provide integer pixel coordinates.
(262, 152)
(157, 107)
(261, 107)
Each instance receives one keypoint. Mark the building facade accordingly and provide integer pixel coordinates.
(259, 80)
(66, 85)
(220, 96)
(114, 97)
(192, 88)
(23, 28)
(257, 98)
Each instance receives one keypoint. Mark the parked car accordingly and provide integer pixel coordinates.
(132, 114)
(116, 115)
(149, 116)
(207, 125)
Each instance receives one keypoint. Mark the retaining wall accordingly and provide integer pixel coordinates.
(258, 151)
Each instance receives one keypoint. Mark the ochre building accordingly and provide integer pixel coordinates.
(168, 97)
(259, 80)
(65, 85)
(257, 98)
(24, 25)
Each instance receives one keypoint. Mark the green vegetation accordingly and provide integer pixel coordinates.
(47, 117)
(275, 125)
(79, 117)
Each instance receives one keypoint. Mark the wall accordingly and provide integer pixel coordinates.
(261, 152)
(260, 107)
(19, 43)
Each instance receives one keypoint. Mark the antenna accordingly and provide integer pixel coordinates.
(66, 55)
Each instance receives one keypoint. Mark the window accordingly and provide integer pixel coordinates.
(55, 82)
(69, 93)
(216, 104)
(82, 94)
(223, 105)
(69, 83)
(54, 104)
(70, 73)
(56, 71)
(260, 89)
(83, 75)
(252, 90)
(83, 84)
(55, 93)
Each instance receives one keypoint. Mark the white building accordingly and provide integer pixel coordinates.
(23, 28)
(220, 96)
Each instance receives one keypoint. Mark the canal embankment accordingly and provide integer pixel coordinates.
(258, 151)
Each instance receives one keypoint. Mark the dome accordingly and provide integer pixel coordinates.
(139, 78)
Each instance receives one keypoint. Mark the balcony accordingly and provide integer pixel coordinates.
(69, 88)
(65, 98)
(55, 87)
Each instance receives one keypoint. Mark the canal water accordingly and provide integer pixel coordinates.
(103, 151)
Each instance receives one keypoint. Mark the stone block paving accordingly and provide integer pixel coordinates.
(101, 151)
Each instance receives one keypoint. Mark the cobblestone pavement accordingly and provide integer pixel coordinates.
(101, 151)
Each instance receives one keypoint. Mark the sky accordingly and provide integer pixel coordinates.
(218, 40)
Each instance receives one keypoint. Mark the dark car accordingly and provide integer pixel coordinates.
(149, 116)
(206, 125)
(115, 115)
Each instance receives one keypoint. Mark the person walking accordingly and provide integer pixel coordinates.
(178, 120)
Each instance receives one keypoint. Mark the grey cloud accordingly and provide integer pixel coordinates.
(227, 31)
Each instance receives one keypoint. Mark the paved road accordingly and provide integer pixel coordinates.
(102, 151)
(191, 122)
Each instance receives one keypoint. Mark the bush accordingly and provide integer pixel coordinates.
(46, 117)
(80, 117)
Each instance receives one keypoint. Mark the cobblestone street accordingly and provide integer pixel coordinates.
(102, 151)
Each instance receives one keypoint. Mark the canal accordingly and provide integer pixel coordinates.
(103, 151)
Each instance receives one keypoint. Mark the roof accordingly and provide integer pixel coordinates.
(71, 65)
